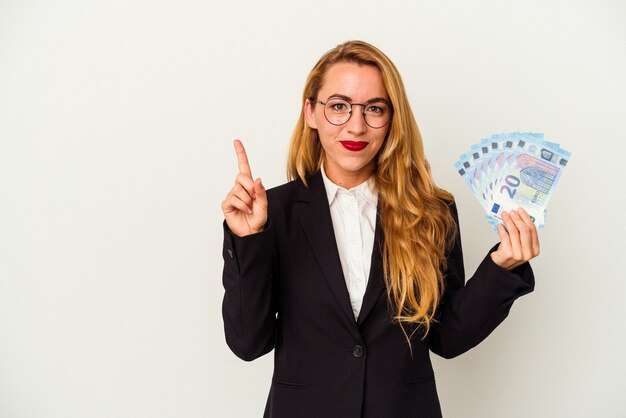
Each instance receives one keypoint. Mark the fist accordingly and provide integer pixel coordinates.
(519, 240)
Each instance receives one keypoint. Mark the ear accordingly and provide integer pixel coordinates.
(309, 114)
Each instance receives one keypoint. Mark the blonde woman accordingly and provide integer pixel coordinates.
(352, 272)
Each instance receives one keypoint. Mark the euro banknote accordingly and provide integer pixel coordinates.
(512, 170)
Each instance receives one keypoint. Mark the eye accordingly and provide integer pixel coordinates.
(338, 106)
(376, 108)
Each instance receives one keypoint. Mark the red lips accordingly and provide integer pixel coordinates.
(354, 145)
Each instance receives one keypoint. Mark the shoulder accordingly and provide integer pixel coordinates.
(284, 192)
(296, 189)
(284, 197)
(453, 210)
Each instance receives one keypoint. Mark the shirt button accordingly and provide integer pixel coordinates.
(357, 351)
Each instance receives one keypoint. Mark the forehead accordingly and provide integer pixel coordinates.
(356, 81)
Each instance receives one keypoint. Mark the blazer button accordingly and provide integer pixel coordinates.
(230, 253)
(357, 351)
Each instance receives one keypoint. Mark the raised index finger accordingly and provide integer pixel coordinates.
(242, 158)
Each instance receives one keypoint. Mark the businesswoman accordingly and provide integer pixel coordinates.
(352, 272)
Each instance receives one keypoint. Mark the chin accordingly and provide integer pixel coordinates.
(354, 168)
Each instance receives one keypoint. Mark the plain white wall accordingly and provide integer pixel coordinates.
(116, 128)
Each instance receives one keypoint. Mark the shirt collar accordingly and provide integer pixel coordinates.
(365, 190)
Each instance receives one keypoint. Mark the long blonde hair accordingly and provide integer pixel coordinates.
(415, 216)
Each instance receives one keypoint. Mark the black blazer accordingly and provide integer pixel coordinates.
(285, 290)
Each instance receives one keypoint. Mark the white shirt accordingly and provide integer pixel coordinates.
(353, 213)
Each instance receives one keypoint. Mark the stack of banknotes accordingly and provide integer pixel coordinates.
(513, 170)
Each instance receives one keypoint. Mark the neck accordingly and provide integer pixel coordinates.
(350, 179)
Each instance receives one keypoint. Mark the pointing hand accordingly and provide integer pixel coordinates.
(245, 206)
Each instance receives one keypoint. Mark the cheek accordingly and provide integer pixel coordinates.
(328, 133)
(380, 141)
(324, 141)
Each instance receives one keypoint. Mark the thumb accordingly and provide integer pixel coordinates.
(261, 196)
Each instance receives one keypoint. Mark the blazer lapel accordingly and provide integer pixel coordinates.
(376, 282)
(318, 227)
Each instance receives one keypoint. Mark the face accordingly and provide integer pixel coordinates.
(350, 148)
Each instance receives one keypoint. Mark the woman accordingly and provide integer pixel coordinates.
(353, 271)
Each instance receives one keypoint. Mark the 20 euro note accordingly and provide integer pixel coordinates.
(508, 171)
(529, 181)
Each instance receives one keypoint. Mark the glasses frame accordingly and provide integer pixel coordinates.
(350, 113)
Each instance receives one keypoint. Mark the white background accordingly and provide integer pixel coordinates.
(116, 128)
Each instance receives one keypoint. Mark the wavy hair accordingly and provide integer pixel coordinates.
(415, 215)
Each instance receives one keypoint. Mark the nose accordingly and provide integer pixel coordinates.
(356, 124)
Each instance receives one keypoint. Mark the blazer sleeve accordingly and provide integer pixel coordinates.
(249, 305)
(470, 311)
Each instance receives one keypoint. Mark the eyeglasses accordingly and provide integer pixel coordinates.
(338, 111)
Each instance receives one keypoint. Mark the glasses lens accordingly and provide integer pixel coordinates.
(377, 114)
(337, 111)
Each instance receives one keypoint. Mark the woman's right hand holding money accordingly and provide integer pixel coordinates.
(245, 206)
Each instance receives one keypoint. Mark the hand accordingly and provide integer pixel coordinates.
(519, 241)
(245, 206)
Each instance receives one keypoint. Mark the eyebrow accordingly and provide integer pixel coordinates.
(349, 99)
